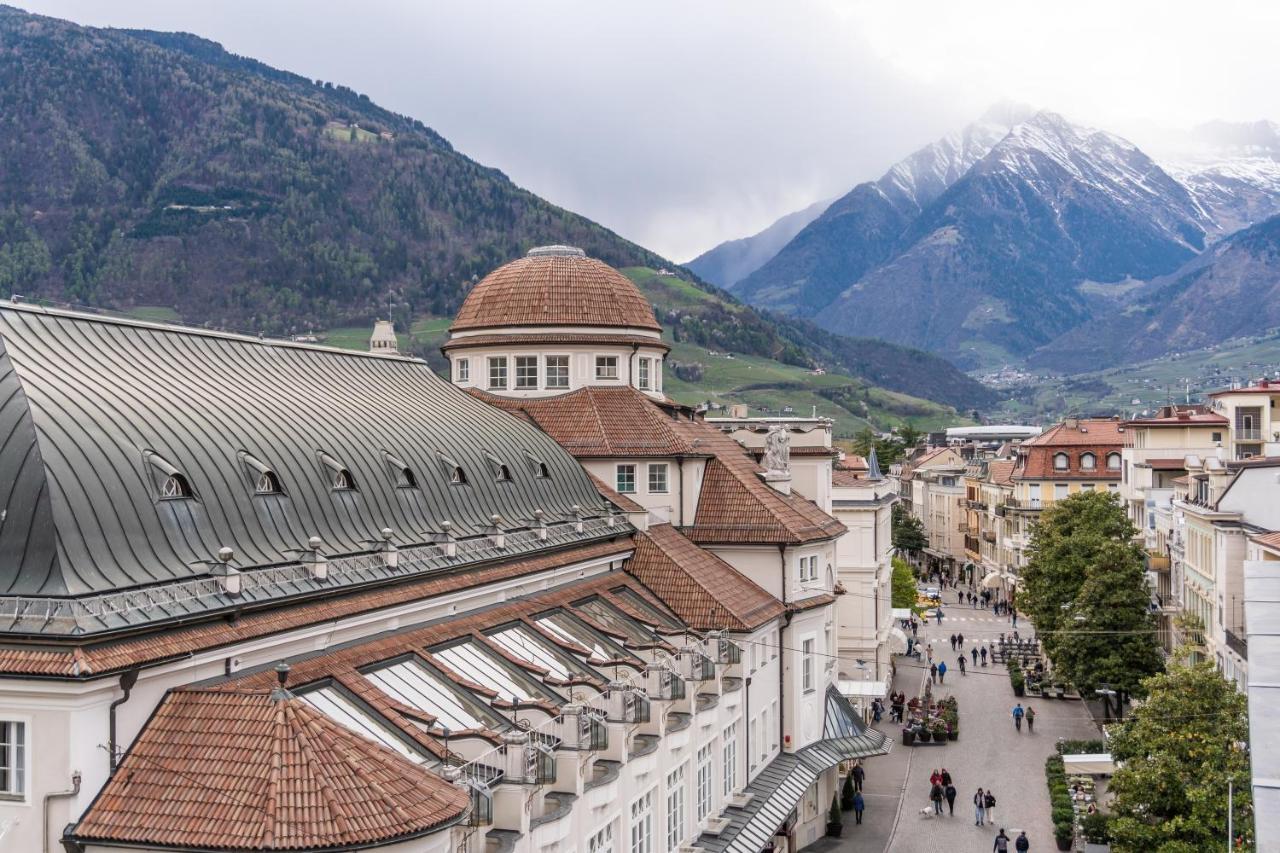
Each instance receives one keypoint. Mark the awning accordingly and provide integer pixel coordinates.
(1092, 764)
(779, 787)
(897, 641)
(850, 688)
(898, 613)
(993, 580)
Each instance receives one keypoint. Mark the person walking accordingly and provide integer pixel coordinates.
(935, 796)
(953, 642)
(1023, 844)
(974, 652)
(984, 655)
(929, 651)
(935, 778)
(937, 615)
(1031, 720)
(942, 672)
(960, 661)
(933, 673)
(979, 808)
(859, 774)
(960, 641)
(950, 792)
(1017, 717)
(990, 803)
(1002, 843)
(858, 805)
(944, 777)
(1014, 613)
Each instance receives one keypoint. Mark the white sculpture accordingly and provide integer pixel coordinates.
(777, 450)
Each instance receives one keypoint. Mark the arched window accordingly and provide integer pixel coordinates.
(267, 484)
(458, 477)
(537, 466)
(503, 474)
(1113, 461)
(400, 472)
(174, 487)
(1088, 461)
(1061, 462)
(340, 478)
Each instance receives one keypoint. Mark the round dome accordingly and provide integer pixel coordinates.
(555, 286)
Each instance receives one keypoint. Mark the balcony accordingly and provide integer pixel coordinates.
(1157, 562)
(1001, 510)
(1248, 435)
(1237, 643)
(989, 536)
(979, 505)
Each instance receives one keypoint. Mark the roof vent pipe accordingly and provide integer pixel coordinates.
(577, 518)
(496, 531)
(446, 539)
(540, 523)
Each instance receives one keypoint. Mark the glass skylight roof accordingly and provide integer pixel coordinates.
(476, 664)
(418, 687)
(615, 620)
(335, 704)
(570, 629)
(655, 616)
(522, 643)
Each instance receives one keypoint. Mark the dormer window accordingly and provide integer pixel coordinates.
(175, 487)
(1061, 462)
(451, 469)
(264, 480)
(537, 466)
(340, 479)
(1113, 461)
(169, 483)
(458, 477)
(501, 473)
(267, 484)
(401, 473)
(1088, 461)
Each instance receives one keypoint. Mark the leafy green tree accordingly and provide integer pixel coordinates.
(909, 436)
(908, 531)
(1110, 637)
(1178, 751)
(1067, 543)
(903, 582)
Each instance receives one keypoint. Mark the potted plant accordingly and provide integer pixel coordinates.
(1059, 689)
(846, 793)
(835, 822)
(1064, 835)
(1095, 829)
(924, 735)
(953, 724)
(941, 731)
(1018, 680)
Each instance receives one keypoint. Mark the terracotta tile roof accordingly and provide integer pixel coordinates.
(1001, 472)
(703, 590)
(555, 290)
(595, 422)
(552, 338)
(616, 498)
(1178, 464)
(811, 602)
(850, 477)
(734, 497)
(1270, 540)
(1187, 416)
(245, 771)
(1099, 436)
(853, 462)
(1263, 387)
(104, 658)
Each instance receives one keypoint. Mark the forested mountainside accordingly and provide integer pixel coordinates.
(156, 169)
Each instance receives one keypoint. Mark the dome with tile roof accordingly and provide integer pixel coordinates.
(555, 286)
(552, 322)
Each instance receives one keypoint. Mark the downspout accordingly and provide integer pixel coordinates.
(631, 367)
(75, 789)
(127, 680)
(786, 621)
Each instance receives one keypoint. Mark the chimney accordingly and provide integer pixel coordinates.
(1071, 423)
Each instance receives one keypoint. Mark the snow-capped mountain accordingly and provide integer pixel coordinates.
(1232, 169)
(859, 230)
(733, 260)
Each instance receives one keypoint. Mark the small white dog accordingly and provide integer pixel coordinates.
(927, 811)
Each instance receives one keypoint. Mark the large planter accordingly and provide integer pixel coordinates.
(1019, 690)
(1063, 843)
(924, 736)
(834, 829)
(954, 734)
(908, 737)
(1059, 690)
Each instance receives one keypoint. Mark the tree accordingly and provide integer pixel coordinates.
(908, 531)
(1065, 545)
(1111, 636)
(1178, 751)
(903, 583)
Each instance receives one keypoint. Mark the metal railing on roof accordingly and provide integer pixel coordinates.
(52, 616)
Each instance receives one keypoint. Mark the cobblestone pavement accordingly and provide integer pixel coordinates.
(990, 752)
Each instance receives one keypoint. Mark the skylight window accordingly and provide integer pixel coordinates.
(401, 472)
(175, 486)
(337, 706)
(340, 479)
(573, 631)
(412, 683)
(521, 643)
(169, 483)
(475, 664)
(265, 481)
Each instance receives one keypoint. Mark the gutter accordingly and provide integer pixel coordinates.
(52, 795)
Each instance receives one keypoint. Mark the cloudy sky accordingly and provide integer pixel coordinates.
(681, 124)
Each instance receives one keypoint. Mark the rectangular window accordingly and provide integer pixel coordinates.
(642, 824)
(557, 371)
(626, 480)
(806, 666)
(13, 759)
(642, 374)
(498, 372)
(602, 841)
(704, 782)
(729, 755)
(1060, 491)
(764, 738)
(658, 478)
(462, 370)
(526, 371)
(1216, 437)
(676, 797)
(606, 367)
